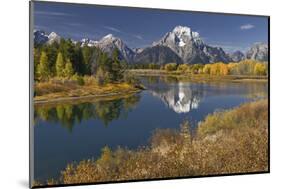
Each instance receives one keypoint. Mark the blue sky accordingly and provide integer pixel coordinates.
(140, 27)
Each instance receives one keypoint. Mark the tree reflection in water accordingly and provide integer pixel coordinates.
(67, 115)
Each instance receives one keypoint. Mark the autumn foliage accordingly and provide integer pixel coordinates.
(219, 147)
(245, 67)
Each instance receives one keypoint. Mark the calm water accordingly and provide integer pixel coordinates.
(66, 133)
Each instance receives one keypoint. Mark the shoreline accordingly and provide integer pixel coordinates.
(85, 97)
(200, 77)
(75, 94)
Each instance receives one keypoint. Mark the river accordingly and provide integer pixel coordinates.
(71, 132)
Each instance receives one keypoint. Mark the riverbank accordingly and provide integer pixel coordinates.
(199, 77)
(68, 90)
(227, 142)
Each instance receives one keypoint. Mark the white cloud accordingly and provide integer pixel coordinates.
(40, 27)
(138, 36)
(247, 27)
(112, 29)
(124, 33)
(47, 13)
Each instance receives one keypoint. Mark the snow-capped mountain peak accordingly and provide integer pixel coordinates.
(109, 37)
(259, 51)
(88, 42)
(180, 36)
(186, 43)
(53, 37)
(182, 30)
(85, 40)
(40, 37)
(109, 42)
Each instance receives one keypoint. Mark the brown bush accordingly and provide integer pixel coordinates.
(233, 141)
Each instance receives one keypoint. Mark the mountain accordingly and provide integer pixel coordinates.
(157, 54)
(188, 45)
(53, 37)
(259, 51)
(237, 56)
(215, 54)
(40, 37)
(181, 45)
(109, 42)
(88, 42)
(137, 50)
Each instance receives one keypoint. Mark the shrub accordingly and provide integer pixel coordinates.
(90, 80)
(79, 79)
(219, 69)
(102, 77)
(233, 68)
(171, 67)
(207, 69)
(174, 153)
(260, 69)
(131, 79)
(195, 68)
(184, 68)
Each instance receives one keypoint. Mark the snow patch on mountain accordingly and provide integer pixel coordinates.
(181, 43)
(189, 46)
(259, 51)
(53, 37)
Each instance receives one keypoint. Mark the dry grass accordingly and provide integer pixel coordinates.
(58, 89)
(233, 141)
(247, 115)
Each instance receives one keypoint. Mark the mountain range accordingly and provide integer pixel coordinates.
(181, 45)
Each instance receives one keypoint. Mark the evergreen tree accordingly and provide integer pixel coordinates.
(43, 67)
(36, 56)
(60, 65)
(52, 51)
(68, 71)
(117, 67)
(104, 62)
(88, 58)
(78, 61)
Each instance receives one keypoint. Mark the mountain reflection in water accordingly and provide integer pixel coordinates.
(182, 97)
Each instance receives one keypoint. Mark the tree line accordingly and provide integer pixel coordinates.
(67, 59)
(71, 60)
(244, 67)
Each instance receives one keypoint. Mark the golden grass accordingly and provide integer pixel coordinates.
(58, 89)
(247, 115)
(232, 141)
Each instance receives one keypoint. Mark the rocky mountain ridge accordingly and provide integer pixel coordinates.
(181, 45)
